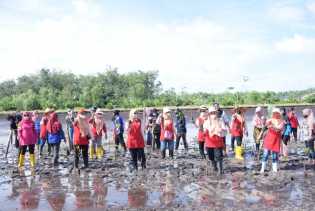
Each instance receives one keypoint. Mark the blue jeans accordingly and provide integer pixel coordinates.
(274, 155)
(169, 144)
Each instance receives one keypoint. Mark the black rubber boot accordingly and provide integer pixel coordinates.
(214, 165)
(163, 152)
(220, 172)
(171, 153)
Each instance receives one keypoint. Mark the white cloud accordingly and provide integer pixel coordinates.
(285, 13)
(311, 6)
(199, 54)
(296, 44)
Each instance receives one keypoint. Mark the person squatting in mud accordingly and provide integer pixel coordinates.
(272, 140)
(237, 130)
(203, 116)
(27, 139)
(167, 132)
(98, 128)
(118, 133)
(215, 128)
(81, 137)
(308, 133)
(135, 140)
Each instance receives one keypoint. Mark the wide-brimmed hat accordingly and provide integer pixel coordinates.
(258, 109)
(166, 110)
(276, 110)
(48, 110)
(82, 111)
(203, 108)
(212, 109)
(99, 111)
(306, 112)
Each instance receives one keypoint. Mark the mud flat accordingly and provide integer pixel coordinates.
(184, 183)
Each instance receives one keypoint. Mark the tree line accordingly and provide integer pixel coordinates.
(111, 89)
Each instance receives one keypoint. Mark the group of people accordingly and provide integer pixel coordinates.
(86, 129)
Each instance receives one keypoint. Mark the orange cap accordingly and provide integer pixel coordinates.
(82, 110)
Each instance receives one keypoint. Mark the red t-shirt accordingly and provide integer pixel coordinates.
(135, 139)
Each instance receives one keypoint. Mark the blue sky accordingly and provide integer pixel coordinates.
(198, 45)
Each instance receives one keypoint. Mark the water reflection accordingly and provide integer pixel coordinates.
(54, 192)
(168, 192)
(99, 192)
(137, 197)
(29, 193)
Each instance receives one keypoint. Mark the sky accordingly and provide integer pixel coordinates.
(199, 45)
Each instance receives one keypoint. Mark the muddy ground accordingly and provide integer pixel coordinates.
(184, 183)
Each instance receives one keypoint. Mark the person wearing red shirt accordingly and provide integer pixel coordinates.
(135, 140)
(81, 137)
(272, 140)
(294, 123)
(215, 129)
(167, 132)
(201, 134)
(238, 129)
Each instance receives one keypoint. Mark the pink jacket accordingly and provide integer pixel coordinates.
(27, 133)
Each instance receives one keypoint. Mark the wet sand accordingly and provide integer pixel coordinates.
(184, 183)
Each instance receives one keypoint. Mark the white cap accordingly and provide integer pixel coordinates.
(166, 110)
(212, 109)
(306, 111)
(276, 110)
(132, 113)
(99, 111)
(258, 109)
(203, 107)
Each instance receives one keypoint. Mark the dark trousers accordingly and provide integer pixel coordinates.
(202, 149)
(31, 149)
(310, 145)
(238, 140)
(137, 154)
(156, 141)
(55, 148)
(181, 136)
(78, 149)
(294, 131)
(119, 139)
(215, 154)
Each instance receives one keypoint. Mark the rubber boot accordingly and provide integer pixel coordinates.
(171, 153)
(263, 167)
(163, 152)
(99, 153)
(285, 152)
(220, 172)
(92, 152)
(275, 167)
(214, 165)
(239, 153)
(21, 161)
(86, 161)
(32, 160)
